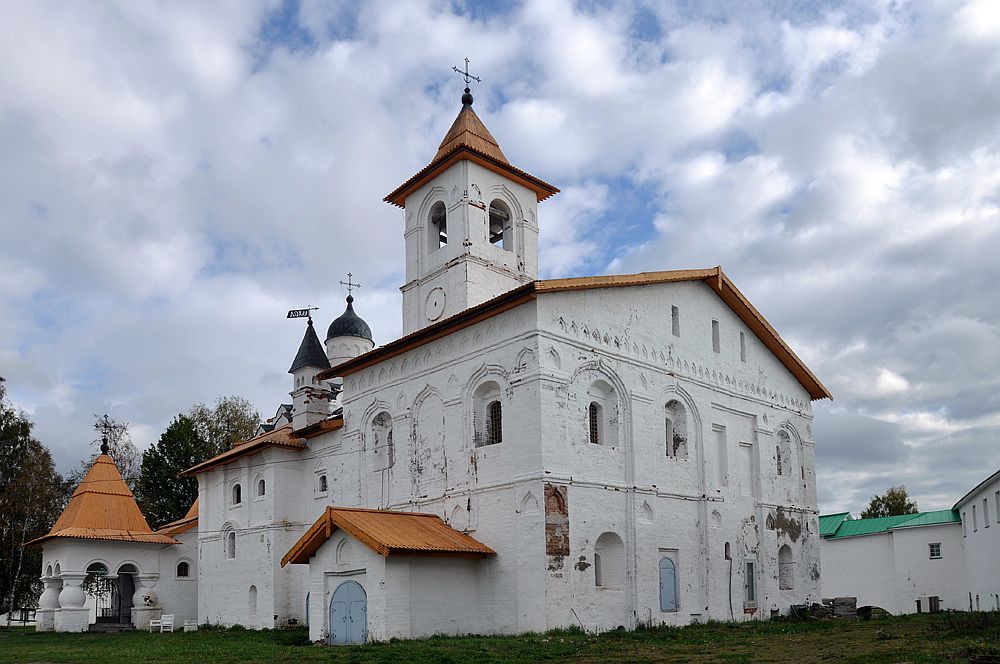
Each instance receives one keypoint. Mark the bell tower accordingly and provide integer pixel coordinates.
(471, 229)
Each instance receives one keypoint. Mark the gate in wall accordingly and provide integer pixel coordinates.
(349, 614)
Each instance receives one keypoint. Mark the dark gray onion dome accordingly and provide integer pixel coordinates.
(349, 324)
(311, 353)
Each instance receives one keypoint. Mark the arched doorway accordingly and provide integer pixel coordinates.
(122, 597)
(349, 614)
(102, 589)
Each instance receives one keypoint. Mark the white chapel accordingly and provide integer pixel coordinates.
(594, 452)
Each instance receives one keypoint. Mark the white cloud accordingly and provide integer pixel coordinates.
(172, 181)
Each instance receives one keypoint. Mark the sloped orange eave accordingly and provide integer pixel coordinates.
(714, 277)
(284, 437)
(541, 188)
(387, 533)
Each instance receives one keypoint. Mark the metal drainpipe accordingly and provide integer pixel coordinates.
(731, 616)
(630, 531)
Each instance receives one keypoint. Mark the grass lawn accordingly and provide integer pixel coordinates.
(920, 638)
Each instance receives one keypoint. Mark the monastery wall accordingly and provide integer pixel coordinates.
(616, 347)
(981, 544)
(891, 570)
(243, 583)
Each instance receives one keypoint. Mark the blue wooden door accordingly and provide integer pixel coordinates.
(668, 585)
(349, 614)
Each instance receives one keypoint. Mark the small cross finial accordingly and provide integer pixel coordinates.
(351, 285)
(467, 97)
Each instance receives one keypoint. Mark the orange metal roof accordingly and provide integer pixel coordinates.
(282, 436)
(469, 139)
(713, 277)
(387, 533)
(469, 131)
(102, 507)
(189, 521)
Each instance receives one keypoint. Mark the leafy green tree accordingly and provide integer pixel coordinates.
(32, 495)
(163, 494)
(230, 420)
(205, 431)
(893, 502)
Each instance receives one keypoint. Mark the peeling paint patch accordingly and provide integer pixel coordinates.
(582, 564)
(556, 520)
(786, 525)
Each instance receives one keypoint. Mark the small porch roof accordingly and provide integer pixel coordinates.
(387, 533)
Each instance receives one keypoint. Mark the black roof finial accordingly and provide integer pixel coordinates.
(104, 444)
(467, 97)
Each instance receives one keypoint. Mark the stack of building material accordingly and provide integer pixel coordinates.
(824, 610)
(845, 607)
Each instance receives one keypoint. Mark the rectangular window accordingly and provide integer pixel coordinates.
(743, 347)
(996, 507)
(675, 321)
(986, 513)
(751, 582)
(965, 521)
(935, 550)
(975, 521)
(716, 340)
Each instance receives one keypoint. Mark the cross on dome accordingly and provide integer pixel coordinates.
(467, 97)
(351, 285)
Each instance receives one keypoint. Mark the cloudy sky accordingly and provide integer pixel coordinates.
(174, 176)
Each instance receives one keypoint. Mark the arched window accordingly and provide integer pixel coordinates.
(183, 570)
(261, 487)
(437, 226)
(783, 453)
(609, 561)
(728, 554)
(595, 420)
(487, 414)
(676, 430)
(602, 414)
(786, 568)
(382, 441)
(231, 544)
(322, 484)
(237, 494)
(668, 585)
(494, 423)
(500, 226)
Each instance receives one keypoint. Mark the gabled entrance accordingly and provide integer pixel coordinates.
(349, 614)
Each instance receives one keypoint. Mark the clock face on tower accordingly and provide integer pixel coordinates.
(434, 306)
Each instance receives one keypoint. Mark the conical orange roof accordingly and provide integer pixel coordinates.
(469, 139)
(102, 507)
(469, 131)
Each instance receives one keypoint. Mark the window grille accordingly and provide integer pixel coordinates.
(322, 483)
(595, 423)
(935, 550)
(183, 569)
(494, 423)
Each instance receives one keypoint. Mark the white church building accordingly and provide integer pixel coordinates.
(595, 452)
